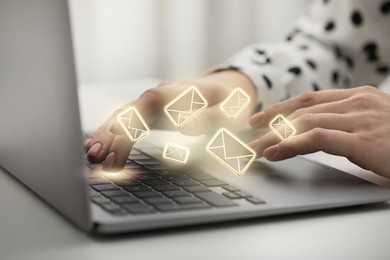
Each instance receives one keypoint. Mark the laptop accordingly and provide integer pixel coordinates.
(41, 145)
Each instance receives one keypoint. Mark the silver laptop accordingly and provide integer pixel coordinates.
(41, 145)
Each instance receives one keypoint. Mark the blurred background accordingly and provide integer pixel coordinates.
(170, 39)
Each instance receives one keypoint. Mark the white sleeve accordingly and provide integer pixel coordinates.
(334, 44)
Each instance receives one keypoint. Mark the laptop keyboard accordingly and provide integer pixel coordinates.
(146, 186)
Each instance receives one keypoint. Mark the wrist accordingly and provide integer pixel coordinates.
(233, 79)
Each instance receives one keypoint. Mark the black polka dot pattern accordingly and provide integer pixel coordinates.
(262, 58)
(385, 8)
(295, 70)
(267, 82)
(371, 51)
(329, 26)
(349, 62)
(383, 69)
(335, 77)
(357, 18)
(315, 87)
(342, 44)
(312, 64)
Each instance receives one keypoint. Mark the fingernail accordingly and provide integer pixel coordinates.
(270, 152)
(95, 149)
(257, 119)
(109, 161)
(87, 142)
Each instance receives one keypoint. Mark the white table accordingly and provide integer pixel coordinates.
(29, 229)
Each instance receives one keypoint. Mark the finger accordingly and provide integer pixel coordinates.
(309, 121)
(265, 141)
(100, 147)
(116, 129)
(330, 141)
(118, 153)
(288, 106)
(88, 143)
(211, 119)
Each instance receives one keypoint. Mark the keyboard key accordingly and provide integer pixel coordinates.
(114, 193)
(127, 182)
(156, 168)
(167, 207)
(230, 188)
(101, 200)
(104, 187)
(175, 207)
(185, 183)
(158, 201)
(147, 162)
(164, 172)
(125, 199)
(147, 194)
(243, 194)
(111, 207)
(155, 182)
(255, 200)
(231, 195)
(215, 199)
(213, 183)
(93, 193)
(144, 176)
(177, 177)
(196, 189)
(194, 206)
(176, 193)
(130, 165)
(188, 200)
(138, 208)
(166, 187)
(134, 188)
(201, 176)
(138, 156)
(97, 181)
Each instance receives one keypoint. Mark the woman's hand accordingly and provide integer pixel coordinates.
(108, 146)
(354, 123)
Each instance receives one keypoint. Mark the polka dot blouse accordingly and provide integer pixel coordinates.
(334, 44)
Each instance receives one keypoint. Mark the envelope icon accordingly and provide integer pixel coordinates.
(133, 124)
(282, 127)
(235, 103)
(231, 151)
(176, 153)
(186, 106)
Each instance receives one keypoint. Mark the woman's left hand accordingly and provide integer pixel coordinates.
(354, 123)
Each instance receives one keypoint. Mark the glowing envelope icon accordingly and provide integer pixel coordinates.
(282, 128)
(231, 151)
(235, 103)
(133, 124)
(176, 153)
(186, 106)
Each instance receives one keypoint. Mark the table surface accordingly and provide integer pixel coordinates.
(29, 229)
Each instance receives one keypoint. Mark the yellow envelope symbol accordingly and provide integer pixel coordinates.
(186, 106)
(235, 103)
(231, 151)
(176, 153)
(282, 127)
(133, 124)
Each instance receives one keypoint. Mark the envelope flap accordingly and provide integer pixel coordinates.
(132, 121)
(235, 148)
(181, 104)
